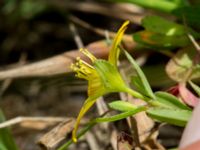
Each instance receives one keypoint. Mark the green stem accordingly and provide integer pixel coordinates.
(142, 97)
(103, 119)
(137, 95)
(120, 116)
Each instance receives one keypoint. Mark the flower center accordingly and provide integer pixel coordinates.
(82, 69)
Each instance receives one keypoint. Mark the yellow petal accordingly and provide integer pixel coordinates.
(114, 52)
(86, 106)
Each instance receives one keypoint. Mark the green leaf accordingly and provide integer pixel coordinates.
(191, 15)
(162, 33)
(170, 101)
(178, 67)
(6, 139)
(162, 26)
(143, 81)
(195, 87)
(176, 117)
(122, 106)
(166, 27)
(154, 40)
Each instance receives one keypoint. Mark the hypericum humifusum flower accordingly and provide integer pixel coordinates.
(103, 76)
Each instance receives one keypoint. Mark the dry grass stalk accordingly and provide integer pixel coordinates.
(59, 64)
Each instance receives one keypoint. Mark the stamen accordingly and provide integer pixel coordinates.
(83, 69)
(73, 67)
(85, 63)
(82, 75)
(88, 54)
(77, 63)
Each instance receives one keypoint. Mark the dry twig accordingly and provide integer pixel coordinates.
(20, 120)
(119, 11)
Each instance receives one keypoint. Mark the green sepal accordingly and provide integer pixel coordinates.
(142, 82)
(137, 83)
(110, 76)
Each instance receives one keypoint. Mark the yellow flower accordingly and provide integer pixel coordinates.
(103, 76)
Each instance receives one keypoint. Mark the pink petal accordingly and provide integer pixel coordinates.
(187, 96)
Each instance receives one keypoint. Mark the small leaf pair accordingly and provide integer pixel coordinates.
(163, 107)
(170, 109)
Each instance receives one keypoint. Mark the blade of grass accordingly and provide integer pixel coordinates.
(195, 87)
(6, 140)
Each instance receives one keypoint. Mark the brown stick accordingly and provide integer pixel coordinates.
(56, 136)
